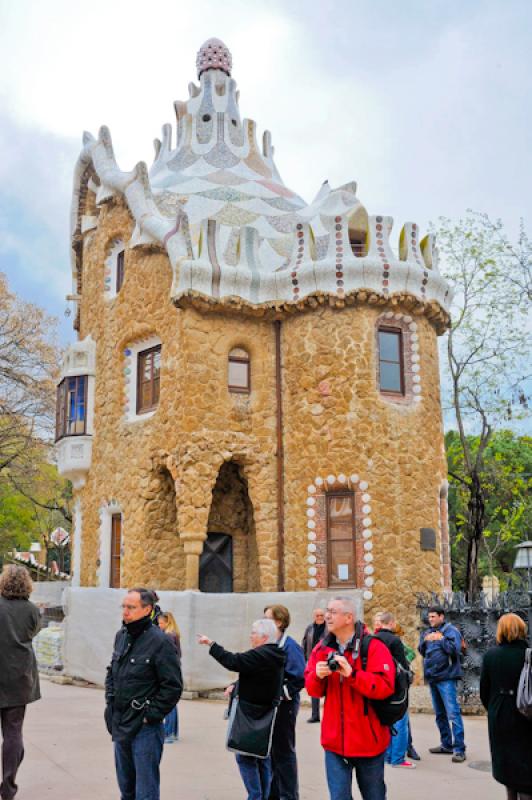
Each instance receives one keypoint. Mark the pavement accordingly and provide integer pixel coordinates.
(69, 756)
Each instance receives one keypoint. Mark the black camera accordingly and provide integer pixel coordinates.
(332, 663)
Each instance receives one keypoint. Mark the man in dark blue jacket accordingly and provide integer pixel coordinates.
(440, 645)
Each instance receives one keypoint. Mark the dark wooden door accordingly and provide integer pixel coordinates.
(216, 564)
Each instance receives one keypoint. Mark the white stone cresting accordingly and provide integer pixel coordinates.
(232, 230)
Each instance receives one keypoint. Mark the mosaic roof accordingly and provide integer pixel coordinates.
(216, 201)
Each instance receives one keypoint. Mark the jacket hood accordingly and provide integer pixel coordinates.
(273, 653)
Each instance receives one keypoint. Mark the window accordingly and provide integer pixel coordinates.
(71, 409)
(391, 372)
(116, 550)
(357, 240)
(239, 371)
(341, 538)
(148, 379)
(120, 270)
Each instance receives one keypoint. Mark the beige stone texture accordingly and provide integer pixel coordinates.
(163, 470)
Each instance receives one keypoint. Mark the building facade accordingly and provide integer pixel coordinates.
(253, 400)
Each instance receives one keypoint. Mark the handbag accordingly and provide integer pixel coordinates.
(524, 689)
(250, 726)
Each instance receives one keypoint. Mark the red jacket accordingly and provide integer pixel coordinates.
(350, 726)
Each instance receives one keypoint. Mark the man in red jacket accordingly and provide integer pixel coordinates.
(351, 734)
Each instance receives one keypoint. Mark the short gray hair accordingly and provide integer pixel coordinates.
(348, 605)
(266, 627)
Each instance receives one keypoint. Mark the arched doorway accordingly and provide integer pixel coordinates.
(229, 562)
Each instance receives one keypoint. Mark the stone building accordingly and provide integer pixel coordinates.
(253, 400)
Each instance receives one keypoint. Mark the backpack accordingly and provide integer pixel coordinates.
(392, 708)
(524, 689)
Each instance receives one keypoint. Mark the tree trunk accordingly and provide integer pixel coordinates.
(475, 523)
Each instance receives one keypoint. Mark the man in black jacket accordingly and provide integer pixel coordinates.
(143, 684)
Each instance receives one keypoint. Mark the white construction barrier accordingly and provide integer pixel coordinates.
(93, 616)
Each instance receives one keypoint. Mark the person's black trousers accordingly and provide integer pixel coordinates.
(12, 720)
(284, 762)
(315, 706)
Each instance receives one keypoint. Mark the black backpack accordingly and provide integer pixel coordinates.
(392, 708)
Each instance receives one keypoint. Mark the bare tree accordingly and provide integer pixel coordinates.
(486, 348)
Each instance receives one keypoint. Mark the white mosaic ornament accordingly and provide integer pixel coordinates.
(311, 536)
(363, 485)
(318, 481)
(417, 398)
(311, 559)
(366, 509)
(311, 489)
(312, 583)
(368, 545)
(311, 524)
(312, 571)
(366, 522)
(331, 479)
(368, 557)
(366, 497)
(342, 478)
(310, 512)
(311, 548)
(311, 501)
(369, 581)
(367, 533)
(354, 478)
(369, 570)
(367, 595)
(416, 388)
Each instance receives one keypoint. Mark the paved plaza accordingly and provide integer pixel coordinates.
(69, 756)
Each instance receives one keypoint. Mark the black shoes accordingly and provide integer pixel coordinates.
(458, 758)
(440, 751)
(413, 754)
(313, 719)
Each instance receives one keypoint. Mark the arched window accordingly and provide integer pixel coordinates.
(238, 376)
(391, 362)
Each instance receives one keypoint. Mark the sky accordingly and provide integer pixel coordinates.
(425, 103)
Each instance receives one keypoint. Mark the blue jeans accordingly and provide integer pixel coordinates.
(256, 774)
(447, 710)
(396, 752)
(369, 774)
(171, 724)
(137, 764)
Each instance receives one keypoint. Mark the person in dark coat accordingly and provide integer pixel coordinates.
(313, 634)
(285, 783)
(260, 673)
(510, 733)
(20, 621)
(142, 686)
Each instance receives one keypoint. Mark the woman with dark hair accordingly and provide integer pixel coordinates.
(510, 732)
(20, 621)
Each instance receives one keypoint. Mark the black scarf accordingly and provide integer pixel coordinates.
(137, 627)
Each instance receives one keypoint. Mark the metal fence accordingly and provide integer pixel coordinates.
(477, 622)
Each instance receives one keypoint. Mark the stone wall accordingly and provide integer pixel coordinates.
(339, 432)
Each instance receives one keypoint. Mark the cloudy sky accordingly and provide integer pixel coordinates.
(425, 103)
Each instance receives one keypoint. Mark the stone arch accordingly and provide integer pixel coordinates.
(231, 513)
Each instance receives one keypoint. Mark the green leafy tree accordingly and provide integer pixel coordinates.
(487, 373)
(506, 483)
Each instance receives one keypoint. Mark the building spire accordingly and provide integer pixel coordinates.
(213, 54)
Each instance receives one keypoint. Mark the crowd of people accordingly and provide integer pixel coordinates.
(359, 675)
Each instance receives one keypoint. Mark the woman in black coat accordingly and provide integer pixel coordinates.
(510, 733)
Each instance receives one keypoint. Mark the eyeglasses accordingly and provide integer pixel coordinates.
(333, 611)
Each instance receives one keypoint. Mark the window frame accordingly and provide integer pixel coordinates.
(333, 583)
(140, 355)
(400, 333)
(115, 558)
(239, 360)
(62, 418)
(120, 270)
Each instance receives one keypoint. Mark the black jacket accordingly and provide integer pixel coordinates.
(20, 621)
(394, 645)
(311, 637)
(510, 733)
(143, 682)
(260, 671)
